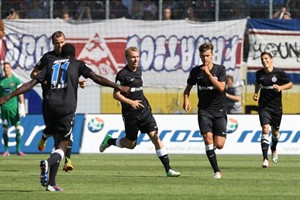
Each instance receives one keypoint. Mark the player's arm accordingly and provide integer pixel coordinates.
(286, 86)
(21, 90)
(82, 84)
(219, 85)
(186, 97)
(22, 105)
(236, 98)
(256, 90)
(34, 73)
(133, 103)
(100, 80)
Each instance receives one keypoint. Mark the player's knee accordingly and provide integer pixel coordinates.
(219, 146)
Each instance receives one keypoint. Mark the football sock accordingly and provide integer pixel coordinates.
(212, 157)
(53, 173)
(264, 145)
(112, 141)
(274, 142)
(55, 157)
(164, 158)
(45, 136)
(18, 139)
(69, 151)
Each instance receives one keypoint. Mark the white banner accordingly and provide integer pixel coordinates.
(180, 135)
(168, 49)
(281, 39)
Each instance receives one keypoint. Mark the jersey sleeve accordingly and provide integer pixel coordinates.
(192, 79)
(43, 62)
(41, 76)
(84, 69)
(284, 78)
(120, 79)
(222, 76)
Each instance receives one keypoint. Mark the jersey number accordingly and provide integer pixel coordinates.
(59, 75)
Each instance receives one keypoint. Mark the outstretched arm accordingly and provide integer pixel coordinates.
(21, 90)
(100, 80)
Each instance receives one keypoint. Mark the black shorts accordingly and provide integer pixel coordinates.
(271, 117)
(212, 122)
(144, 123)
(58, 121)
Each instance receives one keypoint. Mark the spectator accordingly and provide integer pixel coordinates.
(137, 11)
(118, 9)
(36, 11)
(84, 12)
(98, 10)
(190, 14)
(282, 14)
(13, 14)
(167, 15)
(233, 97)
(150, 10)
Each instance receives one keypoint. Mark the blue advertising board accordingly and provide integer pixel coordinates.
(32, 129)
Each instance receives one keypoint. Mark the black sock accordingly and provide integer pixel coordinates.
(212, 157)
(69, 151)
(52, 174)
(112, 141)
(54, 159)
(165, 161)
(264, 148)
(274, 144)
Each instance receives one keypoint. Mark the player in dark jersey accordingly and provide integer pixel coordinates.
(136, 111)
(58, 40)
(211, 81)
(270, 81)
(60, 80)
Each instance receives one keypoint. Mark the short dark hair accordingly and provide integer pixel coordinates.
(68, 50)
(265, 53)
(206, 46)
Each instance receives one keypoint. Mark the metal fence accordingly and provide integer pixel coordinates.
(195, 10)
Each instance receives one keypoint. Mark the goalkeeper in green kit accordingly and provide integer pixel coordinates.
(11, 111)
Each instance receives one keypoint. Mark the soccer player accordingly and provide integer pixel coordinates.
(211, 81)
(58, 40)
(10, 112)
(270, 81)
(136, 111)
(60, 87)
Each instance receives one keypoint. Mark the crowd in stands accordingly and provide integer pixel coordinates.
(195, 10)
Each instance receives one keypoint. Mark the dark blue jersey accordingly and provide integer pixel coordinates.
(209, 97)
(60, 79)
(268, 96)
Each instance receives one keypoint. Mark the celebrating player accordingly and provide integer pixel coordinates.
(136, 111)
(58, 40)
(270, 81)
(211, 81)
(60, 79)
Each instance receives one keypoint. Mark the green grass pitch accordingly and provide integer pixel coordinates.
(137, 176)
